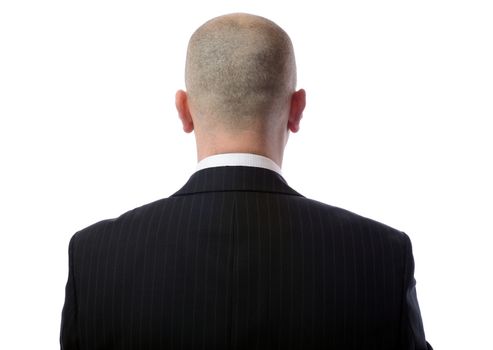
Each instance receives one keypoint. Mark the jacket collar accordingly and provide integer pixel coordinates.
(236, 178)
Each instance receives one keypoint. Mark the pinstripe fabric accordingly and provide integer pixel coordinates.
(236, 259)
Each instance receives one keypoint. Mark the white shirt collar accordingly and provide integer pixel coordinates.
(238, 159)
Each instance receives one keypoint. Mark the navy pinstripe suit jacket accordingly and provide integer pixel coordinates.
(236, 259)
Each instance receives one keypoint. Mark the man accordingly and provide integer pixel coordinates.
(236, 259)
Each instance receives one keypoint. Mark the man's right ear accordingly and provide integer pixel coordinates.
(298, 102)
(181, 102)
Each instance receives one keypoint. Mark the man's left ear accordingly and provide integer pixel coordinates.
(298, 102)
(181, 102)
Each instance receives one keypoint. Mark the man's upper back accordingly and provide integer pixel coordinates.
(237, 259)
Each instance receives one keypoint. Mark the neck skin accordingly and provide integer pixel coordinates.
(247, 141)
(266, 140)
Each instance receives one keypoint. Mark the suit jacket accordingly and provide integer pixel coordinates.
(237, 259)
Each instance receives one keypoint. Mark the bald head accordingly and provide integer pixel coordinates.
(240, 70)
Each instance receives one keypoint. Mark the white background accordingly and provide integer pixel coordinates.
(397, 128)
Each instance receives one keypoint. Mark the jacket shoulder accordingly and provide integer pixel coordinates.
(349, 221)
(139, 213)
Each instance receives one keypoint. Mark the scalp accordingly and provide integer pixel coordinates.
(239, 67)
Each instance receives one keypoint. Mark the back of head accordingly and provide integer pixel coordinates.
(240, 70)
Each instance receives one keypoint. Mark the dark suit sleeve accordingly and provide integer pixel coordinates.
(68, 331)
(412, 332)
